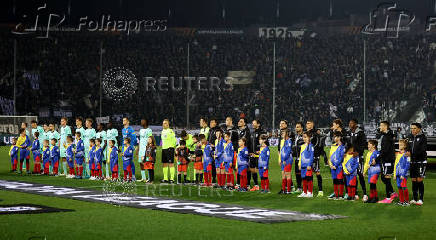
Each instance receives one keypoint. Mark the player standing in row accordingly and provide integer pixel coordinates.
(318, 150)
(387, 158)
(254, 158)
(144, 135)
(357, 138)
(128, 132)
(65, 131)
(24, 144)
(89, 134)
(169, 142)
(111, 134)
(418, 151)
(211, 140)
(297, 141)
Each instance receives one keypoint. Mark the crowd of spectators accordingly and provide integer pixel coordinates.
(317, 77)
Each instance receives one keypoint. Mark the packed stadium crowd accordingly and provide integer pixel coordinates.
(231, 157)
(316, 76)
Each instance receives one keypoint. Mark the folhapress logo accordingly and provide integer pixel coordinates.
(389, 20)
(103, 24)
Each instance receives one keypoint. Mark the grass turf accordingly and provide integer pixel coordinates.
(92, 220)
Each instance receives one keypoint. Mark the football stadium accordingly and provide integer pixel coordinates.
(217, 119)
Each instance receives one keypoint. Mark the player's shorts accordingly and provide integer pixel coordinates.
(351, 180)
(242, 170)
(286, 167)
(127, 165)
(86, 151)
(182, 167)
(79, 160)
(315, 164)
(228, 168)
(263, 173)
(387, 169)
(361, 166)
(62, 151)
(207, 167)
(253, 162)
(417, 169)
(337, 173)
(70, 162)
(198, 166)
(114, 168)
(168, 155)
(402, 183)
(306, 173)
(24, 154)
(218, 163)
(91, 165)
(149, 165)
(373, 178)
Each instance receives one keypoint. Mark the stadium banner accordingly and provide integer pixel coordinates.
(220, 31)
(226, 211)
(240, 77)
(6, 139)
(104, 120)
(7, 106)
(279, 32)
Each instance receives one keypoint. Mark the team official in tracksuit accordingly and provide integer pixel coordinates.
(387, 158)
(318, 151)
(255, 148)
(357, 139)
(418, 151)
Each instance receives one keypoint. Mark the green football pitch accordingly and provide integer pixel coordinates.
(105, 221)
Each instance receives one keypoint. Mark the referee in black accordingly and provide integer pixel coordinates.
(418, 147)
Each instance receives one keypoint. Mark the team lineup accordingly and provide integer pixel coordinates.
(231, 157)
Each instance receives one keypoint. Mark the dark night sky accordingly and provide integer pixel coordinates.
(207, 13)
